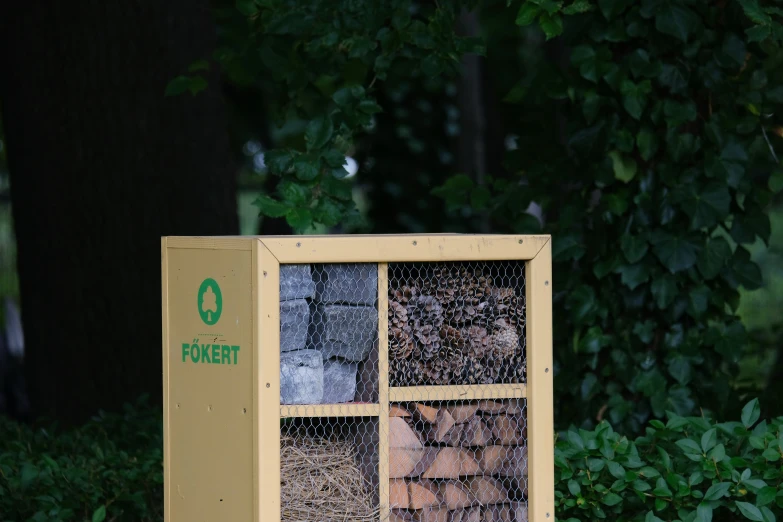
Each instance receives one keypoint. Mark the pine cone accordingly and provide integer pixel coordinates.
(492, 366)
(505, 342)
(479, 341)
(403, 294)
(514, 369)
(398, 315)
(427, 341)
(425, 310)
(472, 371)
(401, 344)
(404, 372)
(451, 336)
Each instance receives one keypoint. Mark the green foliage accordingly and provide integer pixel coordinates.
(688, 469)
(320, 64)
(665, 146)
(109, 469)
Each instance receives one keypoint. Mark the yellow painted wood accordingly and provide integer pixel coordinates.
(164, 279)
(541, 464)
(209, 419)
(352, 249)
(330, 410)
(211, 243)
(383, 390)
(458, 392)
(267, 335)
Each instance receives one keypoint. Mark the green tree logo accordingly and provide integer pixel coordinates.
(210, 301)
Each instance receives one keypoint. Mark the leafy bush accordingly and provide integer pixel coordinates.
(687, 469)
(109, 469)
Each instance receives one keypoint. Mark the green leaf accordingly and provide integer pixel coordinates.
(611, 499)
(299, 218)
(751, 413)
(552, 25)
(578, 7)
(765, 496)
(647, 142)
(576, 440)
(573, 487)
(334, 158)
(624, 166)
(589, 386)
(675, 252)
(754, 12)
(336, 188)
(678, 21)
(634, 247)
(688, 446)
(198, 65)
(703, 513)
(717, 453)
(318, 132)
(698, 300)
(709, 440)
(674, 78)
(717, 491)
(99, 515)
(649, 472)
(750, 511)
(278, 161)
(611, 8)
(714, 256)
(771, 454)
(708, 206)
(370, 107)
(680, 369)
(758, 33)
(640, 64)
(635, 96)
(527, 13)
(177, 86)
(271, 207)
(328, 212)
(616, 469)
(634, 275)
(769, 516)
(306, 168)
(247, 7)
(650, 517)
(28, 475)
(664, 290)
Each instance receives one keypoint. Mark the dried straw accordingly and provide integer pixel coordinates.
(320, 481)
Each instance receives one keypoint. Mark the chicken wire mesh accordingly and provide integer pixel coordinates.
(328, 356)
(456, 323)
(458, 461)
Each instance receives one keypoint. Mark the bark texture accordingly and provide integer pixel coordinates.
(102, 165)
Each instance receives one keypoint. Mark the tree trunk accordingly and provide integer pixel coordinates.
(101, 166)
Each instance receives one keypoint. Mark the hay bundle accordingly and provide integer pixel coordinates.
(320, 481)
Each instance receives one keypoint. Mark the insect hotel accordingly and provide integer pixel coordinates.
(358, 378)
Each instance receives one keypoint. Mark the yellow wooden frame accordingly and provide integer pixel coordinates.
(268, 253)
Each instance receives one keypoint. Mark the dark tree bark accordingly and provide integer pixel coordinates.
(102, 165)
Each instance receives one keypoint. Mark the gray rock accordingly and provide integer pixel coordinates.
(301, 377)
(339, 381)
(294, 320)
(354, 283)
(345, 331)
(296, 282)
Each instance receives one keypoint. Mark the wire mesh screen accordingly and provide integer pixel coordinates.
(460, 461)
(329, 363)
(456, 323)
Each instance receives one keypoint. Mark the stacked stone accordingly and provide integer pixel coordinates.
(328, 327)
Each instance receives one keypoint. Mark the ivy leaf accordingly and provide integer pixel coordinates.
(640, 64)
(271, 207)
(551, 24)
(677, 20)
(299, 218)
(582, 304)
(714, 256)
(750, 511)
(634, 275)
(680, 369)
(527, 13)
(568, 247)
(674, 78)
(677, 253)
(624, 166)
(635, 96)
(589, 386)
(745, 271)
(647, 143)
(664, 290)
(751, 413)
(634, 247)
(99, 515)
(698, 300)
(318, 132)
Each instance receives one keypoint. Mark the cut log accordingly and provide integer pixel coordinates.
(487, 490)
(431, 515)
(396, 410)
(472, 515)
(476, 433)
(402, 436)
(425, 413)
(498, 513)
(492, 459)
(398, 494)
(520, 511)
(515, 462)
(506, 430)
(492, 407)
(514, 406)
(456, 495)
(423, 494)
(410, 462)
(399, 515)
(455, 435)
(451, 463)
(463, 412)
(439, 430)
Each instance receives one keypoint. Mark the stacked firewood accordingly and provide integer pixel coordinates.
(458, 462)
(455, 324)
